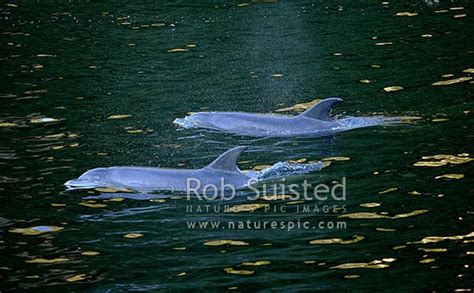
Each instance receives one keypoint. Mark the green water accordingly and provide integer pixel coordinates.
(81, 62)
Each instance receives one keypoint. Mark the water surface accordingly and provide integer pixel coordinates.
(82, 62)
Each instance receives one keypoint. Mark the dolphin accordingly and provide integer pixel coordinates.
(222, 174)
(315, 121)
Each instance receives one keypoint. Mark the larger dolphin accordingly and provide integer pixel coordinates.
(221, 173)
(314, 121)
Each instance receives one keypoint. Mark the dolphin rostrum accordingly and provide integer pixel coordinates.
(221, 174)
(315, 121)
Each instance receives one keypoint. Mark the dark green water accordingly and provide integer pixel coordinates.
(81, 62)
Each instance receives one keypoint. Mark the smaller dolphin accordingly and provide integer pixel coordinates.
(222, 173)
(315, 121)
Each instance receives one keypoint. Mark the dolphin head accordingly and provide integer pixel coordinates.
(90, 179)
(200, 119)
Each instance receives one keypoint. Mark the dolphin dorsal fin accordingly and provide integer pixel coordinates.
(227, 161)
(321, 110)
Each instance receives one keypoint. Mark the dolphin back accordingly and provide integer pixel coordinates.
(321, 110)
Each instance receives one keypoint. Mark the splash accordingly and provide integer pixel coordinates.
(360, 122)
(282, 169)
(185, 122)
